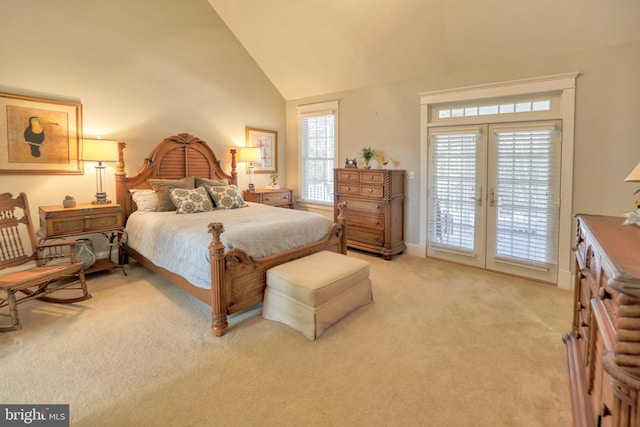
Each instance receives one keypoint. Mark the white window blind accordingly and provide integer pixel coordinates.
(318, 151)
(453, 190)
(527, 192)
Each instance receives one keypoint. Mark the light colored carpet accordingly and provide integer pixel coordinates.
(442, 345)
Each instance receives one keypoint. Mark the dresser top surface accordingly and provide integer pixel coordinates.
(621, 243)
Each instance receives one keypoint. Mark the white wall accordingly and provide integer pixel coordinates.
(142, 70)
(607, 128)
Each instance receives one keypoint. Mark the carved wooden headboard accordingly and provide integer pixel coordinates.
(176, 157)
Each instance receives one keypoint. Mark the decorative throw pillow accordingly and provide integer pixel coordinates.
(190, 201)
(160, 187)
(206, 181)
(146, 200)
(226, 196)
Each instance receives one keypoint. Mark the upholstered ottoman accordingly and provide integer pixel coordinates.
(312, 293)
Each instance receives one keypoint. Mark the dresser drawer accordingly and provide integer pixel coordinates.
(372, 191)
(348, 189)
(372, 178)
(360, 205)
(371, 221)
(348, 177)
(365, 236)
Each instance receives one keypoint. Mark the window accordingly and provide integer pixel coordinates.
(318, 148)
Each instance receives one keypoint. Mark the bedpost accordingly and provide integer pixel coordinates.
(121, 177)
(218, 301)
(342, 223)
(234, 172)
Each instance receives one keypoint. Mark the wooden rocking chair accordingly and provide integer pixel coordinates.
(47, 268)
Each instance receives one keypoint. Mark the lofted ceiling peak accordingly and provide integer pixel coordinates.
(314, 47)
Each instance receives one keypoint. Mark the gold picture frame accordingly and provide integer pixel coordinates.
(267, 140)
(39, 135)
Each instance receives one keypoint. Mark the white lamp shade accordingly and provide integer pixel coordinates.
(249, 154)
(634, 176)
(99, 150)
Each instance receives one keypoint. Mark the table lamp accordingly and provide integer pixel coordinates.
(634, 176)
(250, 155)
(99, 150)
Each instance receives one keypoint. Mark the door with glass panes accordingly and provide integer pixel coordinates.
(494, 196)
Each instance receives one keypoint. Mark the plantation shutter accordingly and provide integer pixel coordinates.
(527, 191)
(317, 148)
(453, 188)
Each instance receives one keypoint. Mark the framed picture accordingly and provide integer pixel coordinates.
(39, 136)
(267, 140)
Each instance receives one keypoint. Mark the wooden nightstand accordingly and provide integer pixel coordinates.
(282, 198)
(86, 218)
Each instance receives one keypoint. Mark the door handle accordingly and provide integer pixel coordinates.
(478, 196)
(492, 197)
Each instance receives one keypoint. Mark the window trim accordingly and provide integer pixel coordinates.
(565, 84)
(309, 110)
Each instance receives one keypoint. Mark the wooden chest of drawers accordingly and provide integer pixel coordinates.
(603, 346)
(282, 198)
(85, 218)
(374, 201)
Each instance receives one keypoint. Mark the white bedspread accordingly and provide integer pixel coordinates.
(179, 243)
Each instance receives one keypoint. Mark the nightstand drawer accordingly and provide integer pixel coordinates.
(282, 198)
(56, 221)
(276, 198)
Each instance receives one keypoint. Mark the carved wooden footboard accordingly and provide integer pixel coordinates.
(237, 280)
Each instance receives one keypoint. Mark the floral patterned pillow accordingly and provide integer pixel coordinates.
(190, 201)
(226, 196)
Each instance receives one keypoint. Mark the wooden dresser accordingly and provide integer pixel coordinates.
(603, 346)
(374, 201)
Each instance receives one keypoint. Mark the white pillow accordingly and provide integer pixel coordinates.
(146, 200)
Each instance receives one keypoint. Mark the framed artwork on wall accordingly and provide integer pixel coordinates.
(267, 141)
(39, 135)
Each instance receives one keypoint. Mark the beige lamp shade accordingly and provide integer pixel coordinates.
(249, 154)
(99, 150)
(634, 176)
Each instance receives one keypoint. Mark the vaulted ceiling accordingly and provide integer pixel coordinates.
(313, 47)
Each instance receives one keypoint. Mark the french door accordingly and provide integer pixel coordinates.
(494, 196)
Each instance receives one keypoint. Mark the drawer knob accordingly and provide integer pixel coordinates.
(377, 222)
(348, 188)
(370, 176)
(371, 190)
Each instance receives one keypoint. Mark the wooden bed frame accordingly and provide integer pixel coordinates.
(237, 280)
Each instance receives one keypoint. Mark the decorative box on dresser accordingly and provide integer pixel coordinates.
(374, 200)
(603, 346)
